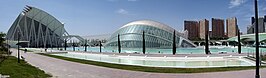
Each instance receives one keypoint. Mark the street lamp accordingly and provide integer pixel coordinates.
(238, 38)
(143, 42)
(118, 43)
(51, 44)
(207, 51)
(73, 45)
(174, 43)
(57, 44)
(65, 42)
(18, 48)
(85, 45)
(100, 46)
(257, 40)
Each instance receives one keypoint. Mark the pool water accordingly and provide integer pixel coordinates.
(176, 62)
(199, 50)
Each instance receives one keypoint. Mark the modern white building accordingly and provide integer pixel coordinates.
(157, 35)
(36, 28)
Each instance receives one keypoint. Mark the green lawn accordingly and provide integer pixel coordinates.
(3, 54)
(152, 69)
(11, 67)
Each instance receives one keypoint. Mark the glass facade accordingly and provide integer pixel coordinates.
(155, 36)
(37, 28)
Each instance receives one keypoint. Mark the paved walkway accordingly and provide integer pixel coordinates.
(65, 69)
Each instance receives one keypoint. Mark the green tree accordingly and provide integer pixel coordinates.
(2, 39)
(3, 50)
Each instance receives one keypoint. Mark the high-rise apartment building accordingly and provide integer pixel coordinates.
(217, 28)
(203, 27)
(231, 27)
(193, 29)
(261, 25)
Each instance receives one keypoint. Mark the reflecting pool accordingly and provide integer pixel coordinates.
(198, 50)
(177, 62)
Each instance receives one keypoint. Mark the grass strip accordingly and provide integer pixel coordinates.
(151, 69)
(11, 67)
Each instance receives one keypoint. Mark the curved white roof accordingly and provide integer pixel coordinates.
(44, 18)
(150, 23)
(154, 24)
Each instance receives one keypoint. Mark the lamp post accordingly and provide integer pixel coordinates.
(73, 45)
(65, 41)
(207, 41)
(100, 46)
(85, 45)
(257, 40)
(18, 48)
(118, 42)
(143, 42)
(174, 43)
(57, 44)
(238, 38)
(52, 41)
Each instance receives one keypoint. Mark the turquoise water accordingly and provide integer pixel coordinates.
(169, 51)
(161, 61)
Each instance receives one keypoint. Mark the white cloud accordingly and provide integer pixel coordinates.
(235, 3)
(122, 11)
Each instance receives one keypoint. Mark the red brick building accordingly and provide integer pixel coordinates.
(193, 29)
(231, 27)
(203, 27)
(217, 28)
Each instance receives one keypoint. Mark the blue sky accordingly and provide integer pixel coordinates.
(94, 17)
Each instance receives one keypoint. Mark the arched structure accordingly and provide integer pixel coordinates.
(38, 28)
(249, 37)
(81, 40)
(157, 35)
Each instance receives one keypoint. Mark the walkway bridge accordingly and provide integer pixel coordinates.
(82, 41)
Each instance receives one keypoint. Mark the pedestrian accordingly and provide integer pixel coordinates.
(25, 51)
(22, 58)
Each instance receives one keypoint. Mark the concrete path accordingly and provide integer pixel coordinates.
(65, 69)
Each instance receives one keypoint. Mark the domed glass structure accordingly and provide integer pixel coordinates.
(157, 35)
